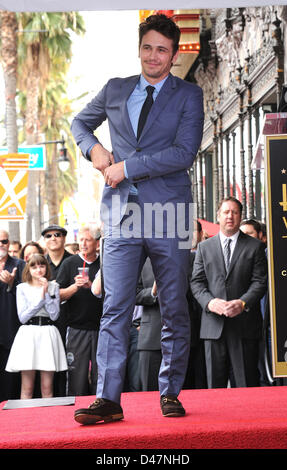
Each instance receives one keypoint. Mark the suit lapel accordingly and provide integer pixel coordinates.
(159, 104)
(237, 250)
(218, 254)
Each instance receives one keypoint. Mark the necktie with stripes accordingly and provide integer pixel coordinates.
(227, 252)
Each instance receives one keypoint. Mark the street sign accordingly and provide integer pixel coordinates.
(13, 185)
(37, 155)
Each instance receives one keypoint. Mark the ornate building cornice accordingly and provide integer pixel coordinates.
(245, 51)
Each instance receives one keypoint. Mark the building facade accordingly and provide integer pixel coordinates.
(240, 67)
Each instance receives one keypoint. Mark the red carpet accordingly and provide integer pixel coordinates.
(246, 418)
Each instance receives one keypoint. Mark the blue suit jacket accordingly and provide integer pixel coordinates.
(168, 145)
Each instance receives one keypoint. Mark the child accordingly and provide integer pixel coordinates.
(38, 344)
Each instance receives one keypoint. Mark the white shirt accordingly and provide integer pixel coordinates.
(233, 239)
(31, 304)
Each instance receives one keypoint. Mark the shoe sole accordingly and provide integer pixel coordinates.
(173, 415)
(84, 418)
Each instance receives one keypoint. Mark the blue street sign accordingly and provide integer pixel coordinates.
(37, 159)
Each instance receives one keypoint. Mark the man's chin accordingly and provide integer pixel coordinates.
(229, 231)
(3, 254)
(151, 74)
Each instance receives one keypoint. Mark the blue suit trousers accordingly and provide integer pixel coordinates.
(123, 260)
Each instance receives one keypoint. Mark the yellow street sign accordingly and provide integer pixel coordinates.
(13, 185)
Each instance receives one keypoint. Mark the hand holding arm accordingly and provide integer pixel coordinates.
(115, 173)
(100, 157)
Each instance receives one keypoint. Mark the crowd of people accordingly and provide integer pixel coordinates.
(51, 300)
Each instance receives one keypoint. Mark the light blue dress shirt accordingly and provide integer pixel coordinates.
(134, 105)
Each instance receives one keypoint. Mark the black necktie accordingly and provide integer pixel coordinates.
(145, 109)
(227, 253)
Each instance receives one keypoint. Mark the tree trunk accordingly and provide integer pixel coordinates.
(31, 126)
(52, 188)
(9, 26)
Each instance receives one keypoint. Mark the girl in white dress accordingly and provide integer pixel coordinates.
(38, 344)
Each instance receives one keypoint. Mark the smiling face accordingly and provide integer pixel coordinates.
(37, 271)
(157, 56)
(54, 241)
(229, 217)
(87, 244)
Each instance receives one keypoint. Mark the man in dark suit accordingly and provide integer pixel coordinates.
(196, 369)
(228, 280)
(155, 123)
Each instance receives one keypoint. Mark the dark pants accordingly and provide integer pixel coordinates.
(196, 370)
(149, 366)
(81, 350)
(132, 382)
(10, 382)
(231, 352)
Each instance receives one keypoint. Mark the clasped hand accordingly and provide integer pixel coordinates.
(43, 282)
(103, 160)
(228, 308)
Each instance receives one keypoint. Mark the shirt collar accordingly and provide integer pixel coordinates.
(224, 237)
(88, 262)
(143, 83)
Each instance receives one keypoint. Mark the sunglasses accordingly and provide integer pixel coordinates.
(4, 242)
(50, 235)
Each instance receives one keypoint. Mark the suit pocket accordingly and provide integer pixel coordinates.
(178, 186)
(178, 179)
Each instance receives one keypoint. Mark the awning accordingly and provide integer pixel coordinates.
(210, 228)
(93, 5)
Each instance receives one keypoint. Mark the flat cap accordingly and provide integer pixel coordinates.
(55, 227)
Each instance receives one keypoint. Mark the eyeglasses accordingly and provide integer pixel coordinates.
(4, 242)
(50, 235)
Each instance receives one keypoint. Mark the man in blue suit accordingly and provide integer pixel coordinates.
(155, 122)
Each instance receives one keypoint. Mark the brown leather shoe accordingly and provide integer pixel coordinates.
(171, 406)
(100, 410)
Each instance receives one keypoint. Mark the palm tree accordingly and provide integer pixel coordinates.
(9, 57)
(55, 110)
(44, 45)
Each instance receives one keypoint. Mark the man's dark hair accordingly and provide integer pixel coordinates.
(199, 226)
(232, 199)
(263, 229)
(163, 25)
(16, 242)
(255, 224)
